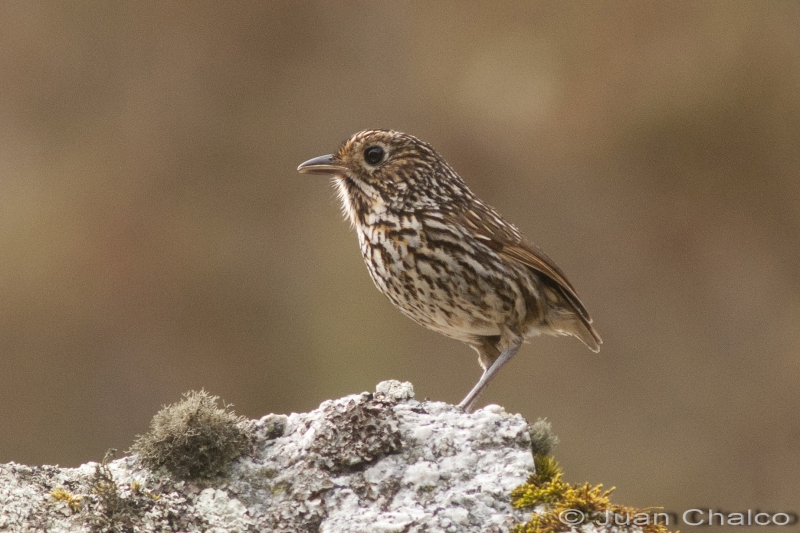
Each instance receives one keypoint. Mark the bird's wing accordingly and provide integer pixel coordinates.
(506, 240)
(534, 258)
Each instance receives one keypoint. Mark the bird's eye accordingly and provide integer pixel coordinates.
(374, 155)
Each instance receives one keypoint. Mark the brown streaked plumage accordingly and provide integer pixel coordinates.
(445, 258)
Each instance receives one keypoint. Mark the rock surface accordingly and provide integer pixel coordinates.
(374, 462)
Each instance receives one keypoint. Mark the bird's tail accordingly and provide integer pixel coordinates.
(579, 326)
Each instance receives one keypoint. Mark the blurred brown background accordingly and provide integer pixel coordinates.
(155, 236)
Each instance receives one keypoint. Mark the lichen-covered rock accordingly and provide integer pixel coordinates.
(385, 462)
(374, 462)
(355, 432)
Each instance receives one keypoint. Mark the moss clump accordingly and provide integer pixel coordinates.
(567, 506)
(193, 439)
(543, 440)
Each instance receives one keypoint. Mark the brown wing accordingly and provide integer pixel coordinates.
(530, 255)
(506, 240)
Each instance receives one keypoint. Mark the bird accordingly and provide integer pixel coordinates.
(444, 257)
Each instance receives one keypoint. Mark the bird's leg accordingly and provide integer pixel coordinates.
(511, 341)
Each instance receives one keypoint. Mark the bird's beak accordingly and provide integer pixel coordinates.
(323, 164)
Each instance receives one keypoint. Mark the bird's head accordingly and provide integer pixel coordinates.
(385, 168)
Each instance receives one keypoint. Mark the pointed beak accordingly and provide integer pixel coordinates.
(323, 164)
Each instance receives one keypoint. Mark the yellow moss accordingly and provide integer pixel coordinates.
(138, 489)
(62, 495)
(561, 506)
(546, 468)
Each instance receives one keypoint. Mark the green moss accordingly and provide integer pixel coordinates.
(282, 487)
(193, 439)
(560, 506)
(268, 473)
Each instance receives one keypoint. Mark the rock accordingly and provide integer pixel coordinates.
(373, 462)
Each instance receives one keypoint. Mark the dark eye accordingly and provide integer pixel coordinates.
(374, 155)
